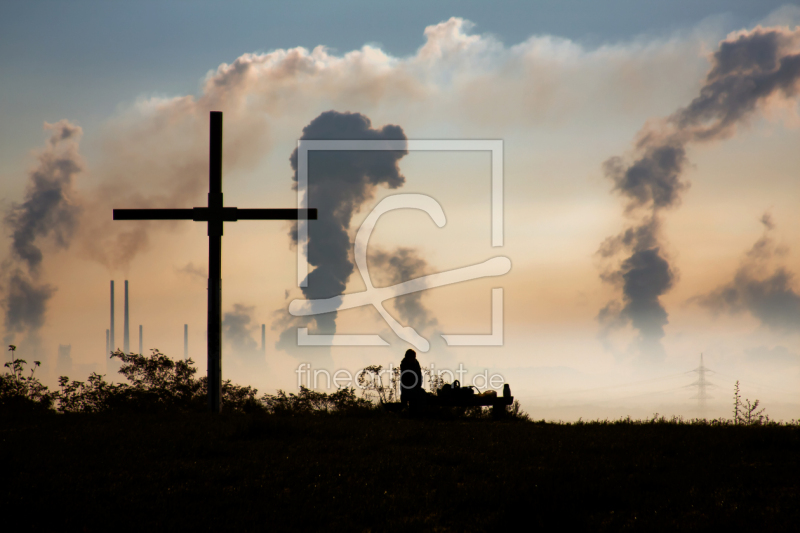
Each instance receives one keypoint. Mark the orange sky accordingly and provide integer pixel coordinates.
(561, 109)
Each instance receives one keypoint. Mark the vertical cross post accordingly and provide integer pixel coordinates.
(215, 264)
(214, 214)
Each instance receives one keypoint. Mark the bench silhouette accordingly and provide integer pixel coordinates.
(457, 397)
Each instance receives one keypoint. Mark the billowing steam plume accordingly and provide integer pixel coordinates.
(339, 182)
(748, 69)
(50, 213)
(236, 330)
(764, 292)
(398, 266)
(191, 271)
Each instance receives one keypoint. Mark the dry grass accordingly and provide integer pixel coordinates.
(387, 472)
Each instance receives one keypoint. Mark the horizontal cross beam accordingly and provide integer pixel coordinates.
(215, 215)
(203, 214)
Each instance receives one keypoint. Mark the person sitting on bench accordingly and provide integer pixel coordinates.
(410, 379)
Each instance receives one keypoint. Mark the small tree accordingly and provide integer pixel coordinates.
(435, 380)
(22, 393)
(517, 412)
(746, 413)
(156, 383)
(737, 402)
(371, 382)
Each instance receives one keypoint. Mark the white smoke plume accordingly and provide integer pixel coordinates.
(761, 286)
(397, 266)
(155, 153)
(49, 216)
(749, 70)
(237, 330)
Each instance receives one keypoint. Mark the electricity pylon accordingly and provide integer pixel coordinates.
(702, 385)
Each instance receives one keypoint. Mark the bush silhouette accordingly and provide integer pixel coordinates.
(155, 384)
(307, 401)
(20, 393)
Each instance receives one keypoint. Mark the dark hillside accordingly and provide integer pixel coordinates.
(386, 472)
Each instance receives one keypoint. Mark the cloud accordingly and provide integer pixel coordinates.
(50, 214)
(154, 152)
(51, 209)
(777, 356)
(152, 157)
(397, 266)
(748, 69)
(759, 287)
(236, 330)
(339, 183)
(193, 272)
(25, 303)
(653, 179)
(643, 276)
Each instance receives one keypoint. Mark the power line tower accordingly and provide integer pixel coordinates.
(702, 385)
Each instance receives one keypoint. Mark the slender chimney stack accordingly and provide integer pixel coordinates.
(186, 342)
(263, 338)
(140, 340)
(126, 341)
(112, 365)
(113, 344)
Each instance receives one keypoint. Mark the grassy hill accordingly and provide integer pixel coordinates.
(146, 456)
(390, 472)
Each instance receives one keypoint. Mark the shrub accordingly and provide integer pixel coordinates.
(308, 401)
(93, 397)
(155, 384)
(20, 393)
(745, 413)
(370, 380)
(517, 413)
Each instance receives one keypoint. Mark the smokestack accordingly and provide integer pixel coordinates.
(113, 345)
(186, 342)
(140, 339)
(126, 340)
(64, 361)
(263, 338)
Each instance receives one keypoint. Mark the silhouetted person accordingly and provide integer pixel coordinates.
(410, 378)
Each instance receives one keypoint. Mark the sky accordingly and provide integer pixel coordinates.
(649, 190)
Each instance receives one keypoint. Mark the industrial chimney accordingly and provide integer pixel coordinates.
(64, 361)
(186, 342)
(140, 339)
(263, 338)
(112, 365)
(126, 341)
(113, 344)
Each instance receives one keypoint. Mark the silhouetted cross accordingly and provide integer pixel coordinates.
(215, 214)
